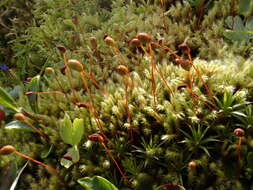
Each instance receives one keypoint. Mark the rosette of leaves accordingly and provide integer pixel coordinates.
(71, 133)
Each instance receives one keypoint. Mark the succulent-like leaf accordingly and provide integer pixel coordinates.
(77, 131)
(96, 183)
(66, 130)
(7, 100)
(72, 133)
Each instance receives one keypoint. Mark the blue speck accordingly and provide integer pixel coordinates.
(3, 67)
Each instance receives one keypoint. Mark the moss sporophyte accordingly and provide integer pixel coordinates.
(8, 149)
(154, 90)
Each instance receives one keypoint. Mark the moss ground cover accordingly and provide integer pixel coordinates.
(146, 94)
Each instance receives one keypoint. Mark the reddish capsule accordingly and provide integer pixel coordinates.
(184, 63)
(135, 42)
(68, 157)
(8, 149)
(122, 69)
(2, 115)
(82, 105)
(19, 116)
(96, 138)
(181, 86)
(28, 93)
(28, 79)
(144, 37)
(239, 132)
(63, 69)
(192, 165)
(75, 20)
(171, 187)
(108, 40)
(93, 42)
(61, 48)
(184, 48)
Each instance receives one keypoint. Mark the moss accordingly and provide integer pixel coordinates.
(153, 130)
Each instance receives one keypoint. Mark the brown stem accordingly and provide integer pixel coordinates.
(238, 156)
(129, 116)
(115, 162)
(30, 116)
(51, 92)
(41, 133)
(93, 109)
(202, 80)
(40, 163)
(152, 77)
(163, 79)
(69, 76)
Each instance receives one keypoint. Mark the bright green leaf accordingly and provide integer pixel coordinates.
(77, 131)
(7, 100)
(96, 183)
(66, 130)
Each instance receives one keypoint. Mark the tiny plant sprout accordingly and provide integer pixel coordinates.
(192, 165)
(109, 41)
(21, 117)
(75, 65)
(8, 149)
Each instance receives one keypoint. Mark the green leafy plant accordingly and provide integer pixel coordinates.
(71, 133)
(198, 139)
(96, 183)
(229, 105)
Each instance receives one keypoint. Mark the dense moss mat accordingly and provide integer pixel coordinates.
(29, 39)
(175, 113)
